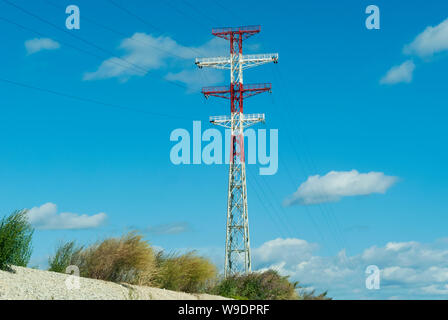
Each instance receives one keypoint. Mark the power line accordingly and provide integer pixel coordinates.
(72, 34)
(302, 165)
(232, 12)
(268, 212)
(89, 100)
(328, 216)
(145, 22)
(196, 9)
(293, 184)
(131, 64)
(266, 199)
(310, 216)
(69, 95)
(63, 42)
(311, 165)
(282, 210)
(112, 30)
(175, 8)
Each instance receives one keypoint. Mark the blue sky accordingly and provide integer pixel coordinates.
(344, 98)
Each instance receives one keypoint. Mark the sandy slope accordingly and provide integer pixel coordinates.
(26, 284)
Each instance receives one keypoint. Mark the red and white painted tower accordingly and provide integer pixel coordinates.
(237, 259)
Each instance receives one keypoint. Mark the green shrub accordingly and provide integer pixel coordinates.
(268, 285)
(188, 272)
(15, 240)
(64, 257)
(312, 296)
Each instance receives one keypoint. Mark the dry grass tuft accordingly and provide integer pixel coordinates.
(188, 272)
(127, 259)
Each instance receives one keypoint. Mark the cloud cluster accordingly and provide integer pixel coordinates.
(144, 53)
(39, 44)
(407, 269)
(293, 251)
(433, 40)
(337, 184)
(401, 73)
(46, 217)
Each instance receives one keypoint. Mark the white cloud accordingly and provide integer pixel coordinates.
(405, 254)
(47, 217)
(144, 53)
(39, 44)
(407, 269)
(398, 74)
(431, 41)
(335, 185)
(293, 250)
(436, 289)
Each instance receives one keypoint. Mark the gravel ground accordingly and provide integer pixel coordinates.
(32, 284)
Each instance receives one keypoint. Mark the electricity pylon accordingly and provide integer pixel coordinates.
(237, 259)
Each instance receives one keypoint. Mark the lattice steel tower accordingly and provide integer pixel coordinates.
(237, 259)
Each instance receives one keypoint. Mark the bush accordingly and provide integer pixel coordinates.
(268, 285)
(127, 259)
(312, 296)
(130, 259)
(15, 240)
(64, 257)
(187, 272)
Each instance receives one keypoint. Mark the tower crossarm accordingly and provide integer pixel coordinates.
(253, 60)
(219, 91)
(214, 62)
(251, 119)
(246, 119)
(248, 90)
(244, 32)
(248, 61)
(223, 121)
